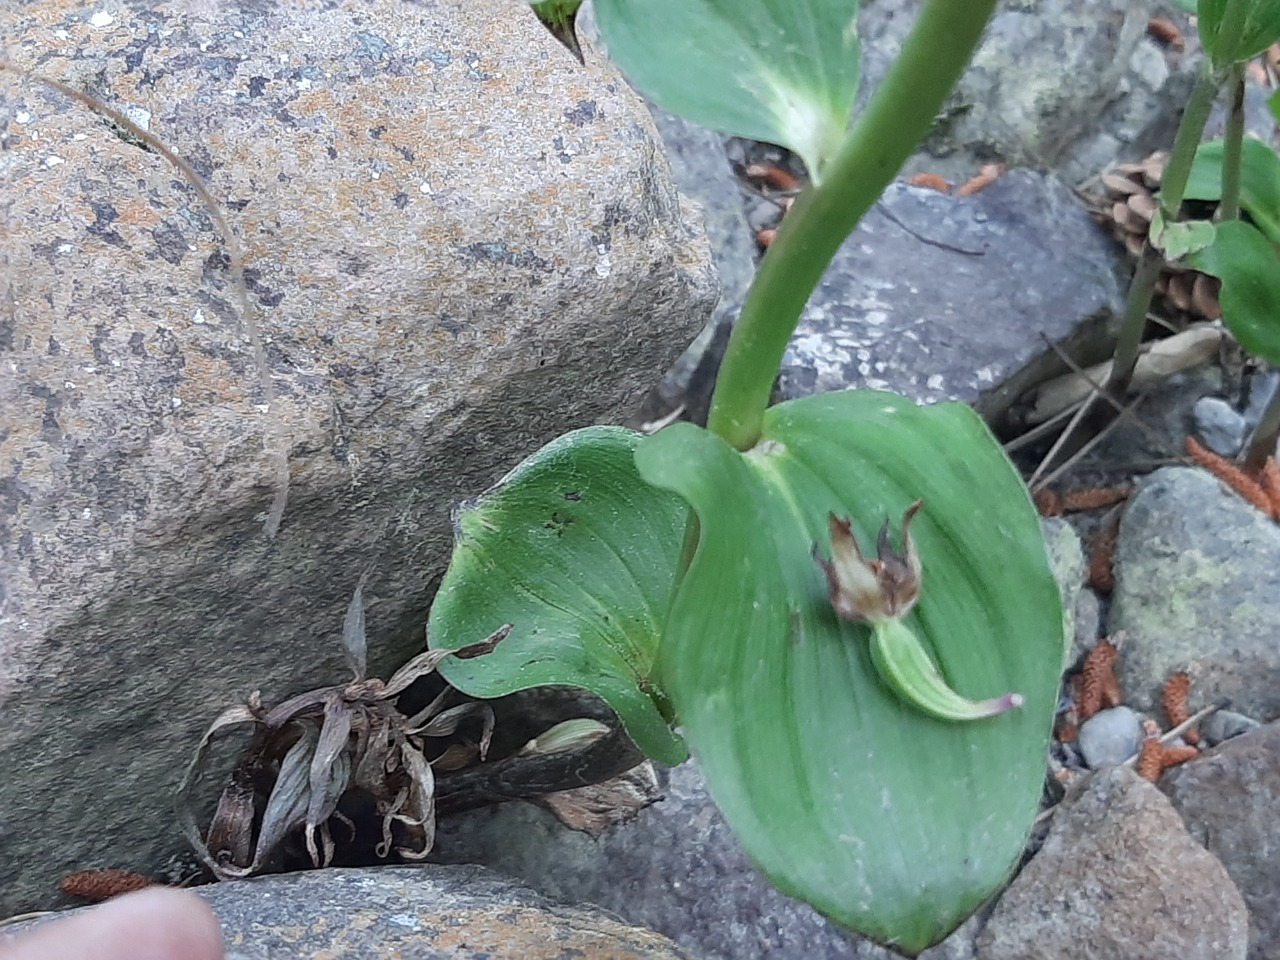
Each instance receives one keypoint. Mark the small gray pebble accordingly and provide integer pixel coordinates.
(762, 214)
(1220, 426)
(1224, 725)
(1110, 737)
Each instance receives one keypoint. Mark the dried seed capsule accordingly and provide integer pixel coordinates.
(905, 665)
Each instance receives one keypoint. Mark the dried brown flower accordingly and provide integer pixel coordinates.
(1102, 558)
(98, 885)
(307, 752)
(1048, 503)
(1156, 757)
(772, 176)
(930, 181)
(988, 175)
(1165, 31)
(1236, 478)
(1174, 700)
(1098, 685)
(1150, 760)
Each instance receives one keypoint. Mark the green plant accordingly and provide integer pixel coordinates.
(1235, 173)
(709, 584)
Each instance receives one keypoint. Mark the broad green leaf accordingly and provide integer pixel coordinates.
(1234, 42)
(1273, 105)
(888, 821)
(1176, 240)
(1259, 181)
(1249, 268)
(782, 71)
(579, 556)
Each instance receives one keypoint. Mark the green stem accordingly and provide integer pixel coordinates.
(1172, 186)
(899, 116)
(1233, 144)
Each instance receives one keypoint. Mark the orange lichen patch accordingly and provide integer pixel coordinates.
(1098, 685)
(930, 180)
(771, 176)
(1174, 700)
(99, 885)
(1165, 31)
(1102, 575)
(988, 175)
(1236, 478)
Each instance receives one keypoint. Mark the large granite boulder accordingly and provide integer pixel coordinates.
(458, 243)
(425, 912)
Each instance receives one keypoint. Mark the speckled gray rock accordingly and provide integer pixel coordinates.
(1228, 799)
(1124, 98)
(1066, 558)
(1110, 737)
(677, 869)
(951, 298)
(700, 168)
(1118, 878)
(1198, 589)
(459, 243)
(424, 912)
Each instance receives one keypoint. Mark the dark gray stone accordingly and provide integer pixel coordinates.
(1229, 799)
(1197, 589)
(953, 298)
(1219, 425)
(1223, 725)
(1118, 878)
(460, 243)
(1013, 102)
(1110, 737)
(677, 869)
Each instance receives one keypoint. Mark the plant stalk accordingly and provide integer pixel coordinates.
(1232, 145)
(899, 116)
(1172, 186)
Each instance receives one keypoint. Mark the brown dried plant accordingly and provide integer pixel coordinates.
(99, 885)
(1173, 698)
(306, 753)
(1098, 686)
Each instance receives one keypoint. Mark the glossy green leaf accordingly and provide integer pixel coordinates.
(889, 821)
(1249, 268)
(1273, 105)
(1259, 181)
(578, 555)
(1230, 42)
(782, 71)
